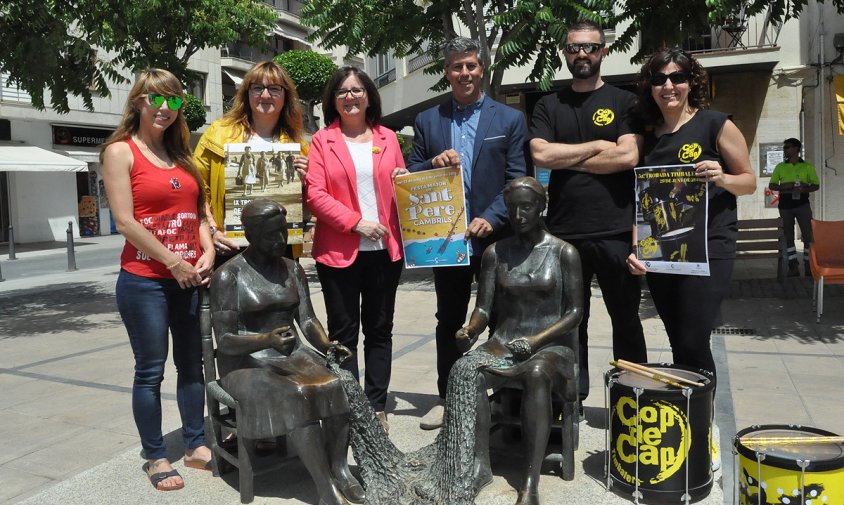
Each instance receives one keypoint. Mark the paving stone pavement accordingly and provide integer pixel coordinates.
(66, 373)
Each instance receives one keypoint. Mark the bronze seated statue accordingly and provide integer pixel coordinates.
(531, 281)
(282, 386)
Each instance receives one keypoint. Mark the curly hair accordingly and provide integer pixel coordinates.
(289, 121)
(646, 107)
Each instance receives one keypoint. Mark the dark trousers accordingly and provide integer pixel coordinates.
(688, 306)
(605, 258)
(803, 215)
(363, 295)
(454, 289)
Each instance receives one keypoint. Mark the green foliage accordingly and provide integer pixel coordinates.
(527, 31)
(405, 144)
(194, 112)
(69, 47)
(310, 72)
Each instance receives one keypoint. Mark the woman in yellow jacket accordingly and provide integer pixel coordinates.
(266, 107)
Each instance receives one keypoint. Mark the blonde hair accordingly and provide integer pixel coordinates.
(289, 120)
(176, 136)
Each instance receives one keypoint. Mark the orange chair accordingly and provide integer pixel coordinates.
(826, 257)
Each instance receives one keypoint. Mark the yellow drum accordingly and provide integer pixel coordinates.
(780, 471)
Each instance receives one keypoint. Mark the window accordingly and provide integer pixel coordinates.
(197, 89)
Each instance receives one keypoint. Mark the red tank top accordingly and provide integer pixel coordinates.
(165, 204)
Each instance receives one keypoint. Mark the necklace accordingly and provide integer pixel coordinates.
(153, 156)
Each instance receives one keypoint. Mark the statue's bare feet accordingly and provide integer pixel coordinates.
(349, 485)
(332, 496)
(482, 476)
(527, 497)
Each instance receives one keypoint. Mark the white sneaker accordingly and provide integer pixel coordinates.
(434, 418)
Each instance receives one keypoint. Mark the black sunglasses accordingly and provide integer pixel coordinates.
(588, 48)
(658, 79)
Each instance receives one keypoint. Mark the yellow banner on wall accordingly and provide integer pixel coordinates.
(838, 82)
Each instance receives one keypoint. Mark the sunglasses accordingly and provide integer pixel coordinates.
(173, 102)
(588, 48)
(658, 79)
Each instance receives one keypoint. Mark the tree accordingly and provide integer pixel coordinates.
(74, 47)
(310, 72)
(194, 112)
(525, 31)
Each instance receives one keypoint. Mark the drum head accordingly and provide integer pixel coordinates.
(635, 380)
(677, 233)
(822, 456)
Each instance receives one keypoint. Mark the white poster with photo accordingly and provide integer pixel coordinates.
(258, 170)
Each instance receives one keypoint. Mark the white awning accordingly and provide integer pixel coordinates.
(24, 158)
(236, 79)
(287, 33)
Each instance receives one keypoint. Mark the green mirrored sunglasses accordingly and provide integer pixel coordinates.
(173, 102)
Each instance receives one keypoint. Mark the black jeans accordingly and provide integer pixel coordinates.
(454, 289)
(363, 295)
(605, 258)
(688, 306)
(803, 215)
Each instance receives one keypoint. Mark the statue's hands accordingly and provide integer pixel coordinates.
(282, 340)
(466, 338)
(340, 352)
(520, 347)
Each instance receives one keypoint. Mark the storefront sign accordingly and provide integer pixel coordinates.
(79, 136)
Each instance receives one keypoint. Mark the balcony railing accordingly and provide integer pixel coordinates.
(244, 52)
(737, 33)
(292, 6)
(386, 78)
(419, 61)
(11, 93)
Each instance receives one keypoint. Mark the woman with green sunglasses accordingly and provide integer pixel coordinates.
(157, 199)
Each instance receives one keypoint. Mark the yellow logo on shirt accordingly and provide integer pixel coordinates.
(603, 117)
(689, 152)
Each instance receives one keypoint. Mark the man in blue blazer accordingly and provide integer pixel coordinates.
(487, 140)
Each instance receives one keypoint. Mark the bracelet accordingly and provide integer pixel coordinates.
(174, 265)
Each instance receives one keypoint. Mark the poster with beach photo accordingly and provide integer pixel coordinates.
(432, 216)
(671, 211)
(263, 170)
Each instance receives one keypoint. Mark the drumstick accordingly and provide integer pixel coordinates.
(648, 374)
(667, 375)
(791, 440)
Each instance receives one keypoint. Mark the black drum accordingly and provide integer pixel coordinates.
(673, 245)
(659, 438)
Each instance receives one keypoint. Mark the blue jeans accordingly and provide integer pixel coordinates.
(149, 307)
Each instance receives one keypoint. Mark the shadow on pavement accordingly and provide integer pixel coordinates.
(60, 309)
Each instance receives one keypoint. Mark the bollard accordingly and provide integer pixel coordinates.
(71, 255)
(12, 243)
(1, 274)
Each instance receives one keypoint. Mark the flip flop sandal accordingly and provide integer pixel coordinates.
(156, 478)
(197, 465)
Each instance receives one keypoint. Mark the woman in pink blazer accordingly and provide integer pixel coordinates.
(357, 246)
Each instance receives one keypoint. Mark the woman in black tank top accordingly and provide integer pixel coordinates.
(672, 93)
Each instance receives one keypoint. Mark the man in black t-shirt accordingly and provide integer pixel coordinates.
(585, 135)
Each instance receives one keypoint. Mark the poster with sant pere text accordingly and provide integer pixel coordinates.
(671, 220)
(432, 216)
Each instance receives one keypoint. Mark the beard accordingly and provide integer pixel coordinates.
(583, 68)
